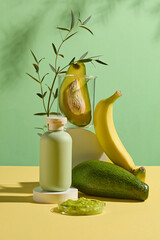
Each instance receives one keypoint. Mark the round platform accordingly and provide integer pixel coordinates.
(85, 146)
(41, 196)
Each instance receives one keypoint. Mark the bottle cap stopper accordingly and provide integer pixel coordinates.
(56, 123)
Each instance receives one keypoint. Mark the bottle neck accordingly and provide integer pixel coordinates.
(56, 127)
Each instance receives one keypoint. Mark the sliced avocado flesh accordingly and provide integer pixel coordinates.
(74, 99)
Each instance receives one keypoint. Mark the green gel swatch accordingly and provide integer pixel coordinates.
(82, 206)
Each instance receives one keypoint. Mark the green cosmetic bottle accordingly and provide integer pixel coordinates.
(55, 156)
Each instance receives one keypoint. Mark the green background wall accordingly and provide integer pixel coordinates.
(126, 33)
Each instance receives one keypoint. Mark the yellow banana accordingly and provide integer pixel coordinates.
(107, 135)
(140, 173)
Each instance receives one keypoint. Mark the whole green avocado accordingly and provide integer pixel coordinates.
(99, 178)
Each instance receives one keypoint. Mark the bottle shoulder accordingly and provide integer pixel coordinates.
(56, 135)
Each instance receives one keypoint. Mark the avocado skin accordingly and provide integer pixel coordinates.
(98, 178)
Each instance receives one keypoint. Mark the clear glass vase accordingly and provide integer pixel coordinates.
(76, 99)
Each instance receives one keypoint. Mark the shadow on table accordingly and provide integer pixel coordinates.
(24, 188)
(27, 188)
(107, 199)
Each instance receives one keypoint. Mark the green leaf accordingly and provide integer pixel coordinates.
(54, 48)
(84, 55)
(53, 69)
(86, 60)
(101, 62)
(87, 29)
(54, 113)
(61, 55)
(79, 15)
(79, 20)
(33, 77)
(56, 93)
(65, 29)
(39, 134)
(40, 114)
(36, 67)
(38, 128)
(72, 61)
(70, 36)
(96, 56)
(86, 20)
(44, 77)
(72, 19)
(93, 64)
(44, 94)
(41, 59)
(39, 95)
(34, 56)
(58, 69)
(48, 87)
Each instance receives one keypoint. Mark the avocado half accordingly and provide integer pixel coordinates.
(74, 101)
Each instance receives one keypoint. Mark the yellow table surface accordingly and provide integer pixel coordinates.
(23, 219)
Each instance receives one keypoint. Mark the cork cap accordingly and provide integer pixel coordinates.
(56, 123)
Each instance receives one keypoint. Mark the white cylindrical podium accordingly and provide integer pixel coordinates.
(41, 196)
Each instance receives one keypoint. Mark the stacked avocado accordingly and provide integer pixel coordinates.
(98, 178)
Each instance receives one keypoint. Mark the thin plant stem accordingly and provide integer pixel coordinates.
(57, 70)
(48, 109)
(52, 104)
(41, 91)
(63, 68)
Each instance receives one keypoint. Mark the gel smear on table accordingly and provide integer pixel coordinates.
(82, 206)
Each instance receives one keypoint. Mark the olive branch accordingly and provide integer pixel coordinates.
(52, 95)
